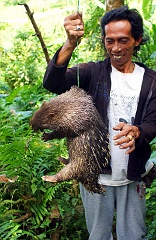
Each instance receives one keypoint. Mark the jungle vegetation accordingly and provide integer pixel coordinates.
(30, 208)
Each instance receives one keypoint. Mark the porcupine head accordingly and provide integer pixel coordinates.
(66, 113)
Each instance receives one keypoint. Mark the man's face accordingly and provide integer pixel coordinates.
(120, 44)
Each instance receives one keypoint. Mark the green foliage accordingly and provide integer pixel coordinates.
(151, 201)
(93, 33)
(153, 148)
(148, 9)
(147, 54)
(151, 213)
(29, 207)
(13, 2)
(22, 64)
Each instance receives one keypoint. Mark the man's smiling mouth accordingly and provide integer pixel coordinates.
(117, 57)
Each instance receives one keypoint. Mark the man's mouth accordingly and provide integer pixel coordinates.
(117, 57)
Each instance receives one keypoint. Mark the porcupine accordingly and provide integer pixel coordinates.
(74, 116)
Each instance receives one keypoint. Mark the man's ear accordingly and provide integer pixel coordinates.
(137, 42)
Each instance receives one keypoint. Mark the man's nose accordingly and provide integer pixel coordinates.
(116, 48)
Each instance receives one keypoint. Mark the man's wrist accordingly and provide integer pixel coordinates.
(64, 54)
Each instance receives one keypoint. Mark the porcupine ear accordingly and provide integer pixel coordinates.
(44, 103)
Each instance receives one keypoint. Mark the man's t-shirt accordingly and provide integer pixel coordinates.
(124, 97)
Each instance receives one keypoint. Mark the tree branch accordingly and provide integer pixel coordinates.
(37, 31)
(24, 217)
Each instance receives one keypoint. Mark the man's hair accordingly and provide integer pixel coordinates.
(134, 18)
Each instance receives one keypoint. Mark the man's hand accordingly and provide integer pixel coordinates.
(126, 137)
(74, 27)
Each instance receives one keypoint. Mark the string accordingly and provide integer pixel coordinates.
(78, 5)
(78, 69)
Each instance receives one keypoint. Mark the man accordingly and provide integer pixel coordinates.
(124, 93)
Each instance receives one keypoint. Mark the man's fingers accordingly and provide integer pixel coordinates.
(74, 27)
(125, 144)
(131, 149)
(119, 126)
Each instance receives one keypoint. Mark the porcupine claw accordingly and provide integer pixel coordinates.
(49, 178)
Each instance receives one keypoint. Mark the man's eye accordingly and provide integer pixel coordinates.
(124, 41)
(109, 41)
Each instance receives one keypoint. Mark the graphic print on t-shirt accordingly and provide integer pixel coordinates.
(124, 97)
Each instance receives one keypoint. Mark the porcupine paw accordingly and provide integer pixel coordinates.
(49, 178)
(47, 136)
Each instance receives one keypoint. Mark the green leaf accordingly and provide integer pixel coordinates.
(13, 230)
(147, 8)
(13, 94)
(34, 188)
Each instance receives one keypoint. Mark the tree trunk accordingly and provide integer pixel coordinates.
(112, 4)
